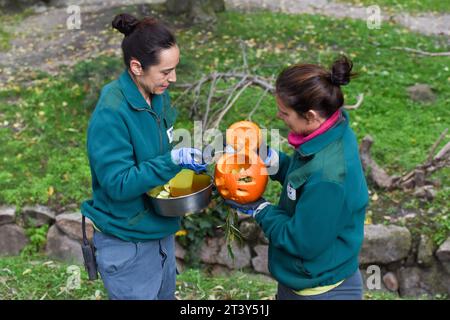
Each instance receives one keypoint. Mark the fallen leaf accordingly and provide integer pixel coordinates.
(26, 272)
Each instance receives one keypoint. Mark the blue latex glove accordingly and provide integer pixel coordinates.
(228, 149)
(189, 158)
(270, 155)
(252, 208)
(270, 159)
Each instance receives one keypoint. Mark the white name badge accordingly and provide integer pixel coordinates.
(291, 192)
(170, 134)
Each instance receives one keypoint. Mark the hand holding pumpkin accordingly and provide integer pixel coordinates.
(270, 158)
(241, 177)
(252, 208)
(240, 174)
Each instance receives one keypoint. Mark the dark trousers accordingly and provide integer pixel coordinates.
(350, 289)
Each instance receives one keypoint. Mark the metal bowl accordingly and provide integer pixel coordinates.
(181, 206)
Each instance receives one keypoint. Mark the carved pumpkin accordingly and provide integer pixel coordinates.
(241, 177)
(244, 136)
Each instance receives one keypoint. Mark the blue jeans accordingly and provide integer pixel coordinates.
(350, 289)
(136, 271)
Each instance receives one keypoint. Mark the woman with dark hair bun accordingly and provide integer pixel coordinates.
(129, 145)
(316, 231)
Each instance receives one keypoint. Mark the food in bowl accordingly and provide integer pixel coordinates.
(186, 182)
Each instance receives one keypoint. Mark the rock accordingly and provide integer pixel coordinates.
(425, 192)
(70, 224)
(410, 282)
(261, 261)
(421, 93)
(12, 239)
(209, 250)
(262, 238)
(62, 247)
(249, 230)
(37, 216)
(384, 244)
(425, 251)
(390, 281)
(443, 254)
(39, 8)
(180, 265)
(7, 214)
(241, 259)
(180, 253)
(372, 279)
(218, 270)
(416, 281)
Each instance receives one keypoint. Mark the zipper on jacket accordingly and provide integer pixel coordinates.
(159, 126)
(160, 135)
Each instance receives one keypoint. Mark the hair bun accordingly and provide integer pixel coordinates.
(125, 23)
(341, 71)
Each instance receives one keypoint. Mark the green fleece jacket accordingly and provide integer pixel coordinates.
(316, 231)
(129, 147)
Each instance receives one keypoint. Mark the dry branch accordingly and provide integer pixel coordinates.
(376, 173)
(244, 79)
(423, 53)
(416, 179)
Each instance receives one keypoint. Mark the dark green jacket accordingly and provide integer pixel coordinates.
(316, 231)
(129, 154)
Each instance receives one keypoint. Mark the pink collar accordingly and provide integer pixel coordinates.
(298, 139)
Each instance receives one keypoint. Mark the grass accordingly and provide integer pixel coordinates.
(38, 278)
(413, 6)
(8, 22)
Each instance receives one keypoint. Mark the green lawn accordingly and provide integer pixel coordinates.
(36, 277)
(39, 278)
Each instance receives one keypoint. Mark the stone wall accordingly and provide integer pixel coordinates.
(407, 267)
(63, 237)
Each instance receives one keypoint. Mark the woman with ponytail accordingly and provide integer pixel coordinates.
(316, 231)
(129, 145)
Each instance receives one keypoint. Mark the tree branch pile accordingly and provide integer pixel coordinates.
(216, 108)
(416, 180)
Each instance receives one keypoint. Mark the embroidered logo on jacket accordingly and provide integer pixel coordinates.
(291, 192)
(170, 134)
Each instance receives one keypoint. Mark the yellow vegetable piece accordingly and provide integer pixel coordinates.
(181, 184)
(200, 181)
(184, 183)
(164, 193)
(155, 191)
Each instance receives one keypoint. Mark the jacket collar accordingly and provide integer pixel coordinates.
(315, 145)
(131, 92)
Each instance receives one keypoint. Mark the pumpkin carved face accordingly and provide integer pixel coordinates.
(241, 177)
(244, 136)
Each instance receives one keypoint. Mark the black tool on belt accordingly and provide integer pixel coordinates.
(88, 253)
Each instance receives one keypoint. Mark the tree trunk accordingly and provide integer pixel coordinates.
(177, 6)
(199, 11)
